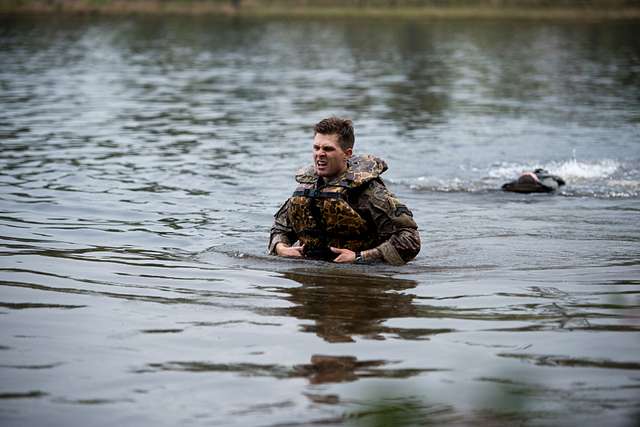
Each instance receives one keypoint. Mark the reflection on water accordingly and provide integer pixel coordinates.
(322, 369)
(343, 305)
(142, 160)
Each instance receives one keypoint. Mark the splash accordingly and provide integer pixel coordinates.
(574, 169)
(569, 170)
(606, 178)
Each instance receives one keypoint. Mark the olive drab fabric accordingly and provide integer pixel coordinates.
(321, 215)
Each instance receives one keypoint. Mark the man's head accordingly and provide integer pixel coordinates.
(332, 146)
(335, 126)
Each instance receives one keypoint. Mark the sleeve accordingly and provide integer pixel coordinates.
(394, 223)
(281, 231)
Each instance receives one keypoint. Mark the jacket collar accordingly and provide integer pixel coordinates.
(360, 170)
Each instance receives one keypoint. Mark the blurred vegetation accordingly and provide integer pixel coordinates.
(406, 8)
(500, 405)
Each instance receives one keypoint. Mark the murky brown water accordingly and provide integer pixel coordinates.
(141, 163)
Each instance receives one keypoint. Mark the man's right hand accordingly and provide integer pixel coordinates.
(289, 251)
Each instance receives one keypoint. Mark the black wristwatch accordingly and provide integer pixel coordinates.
(359, 258)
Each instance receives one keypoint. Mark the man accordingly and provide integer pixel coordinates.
(538, 181)
(341, 210)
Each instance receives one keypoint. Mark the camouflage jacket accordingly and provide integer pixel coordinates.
(395, 233)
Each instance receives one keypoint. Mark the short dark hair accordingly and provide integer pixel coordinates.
(337, 126)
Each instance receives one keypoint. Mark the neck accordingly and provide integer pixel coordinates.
(332, 177)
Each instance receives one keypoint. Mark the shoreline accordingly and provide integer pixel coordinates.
(286, 9)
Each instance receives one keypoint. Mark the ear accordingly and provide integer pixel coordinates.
(348, 152)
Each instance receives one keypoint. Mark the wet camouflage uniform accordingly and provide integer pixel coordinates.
(353, 211)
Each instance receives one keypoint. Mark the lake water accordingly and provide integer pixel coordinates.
(142, 161)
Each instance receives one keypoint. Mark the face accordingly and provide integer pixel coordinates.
(329, 159)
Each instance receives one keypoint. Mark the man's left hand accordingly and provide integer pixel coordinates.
(344, 255)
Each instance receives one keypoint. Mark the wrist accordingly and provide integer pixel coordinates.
(370, 256)
(359, 258)
(280, 246)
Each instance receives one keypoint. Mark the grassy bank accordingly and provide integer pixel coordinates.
(525, 9)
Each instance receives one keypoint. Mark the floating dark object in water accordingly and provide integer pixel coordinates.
(538, 181)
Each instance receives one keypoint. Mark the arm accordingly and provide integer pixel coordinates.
(394, 224)
(282, 235)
